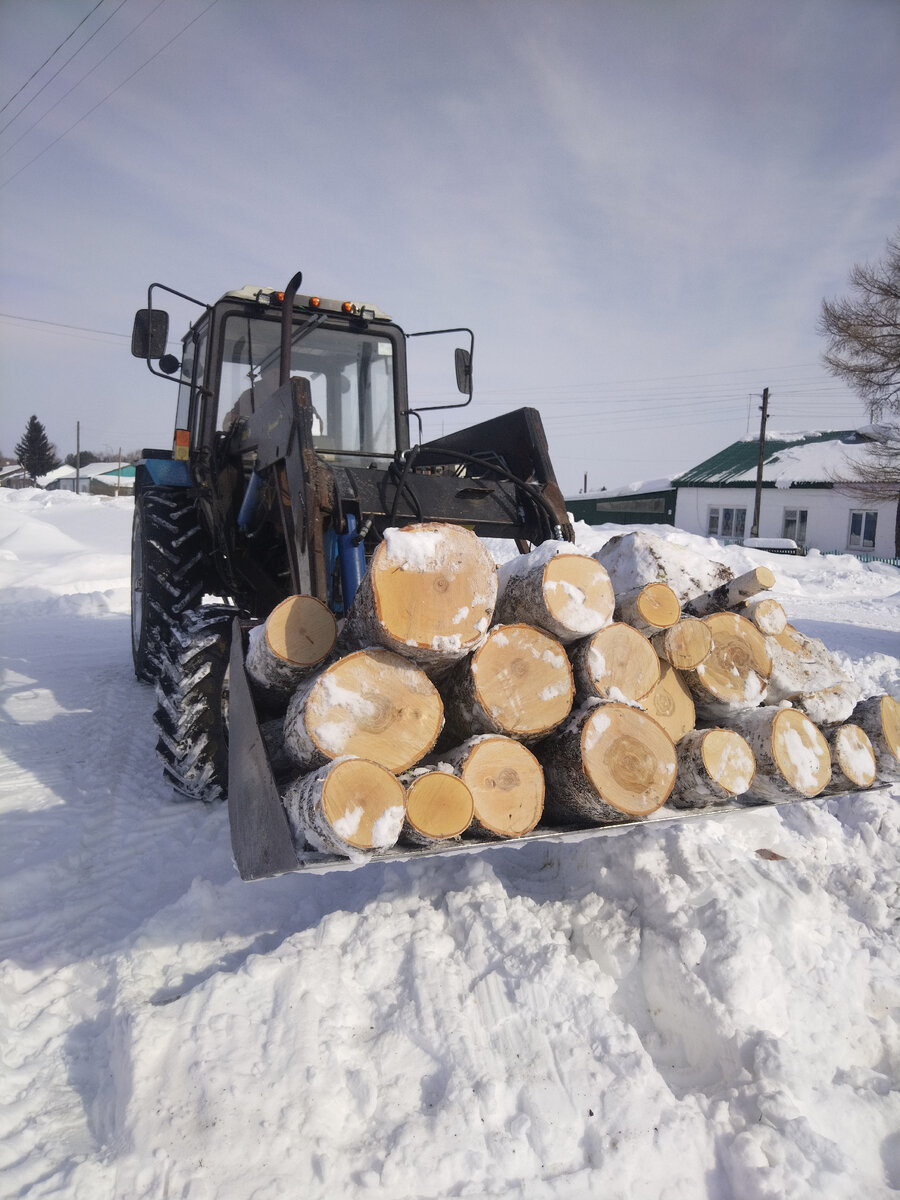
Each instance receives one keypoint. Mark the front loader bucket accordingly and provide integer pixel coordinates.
(260, 835)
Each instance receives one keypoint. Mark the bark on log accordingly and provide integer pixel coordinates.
(805, 672)
(517, 683)
(352, 807)
(617, 663)
(685, 645)
(608, 763)
(792, 756)
(298, 635)
(371, 704)
(506, 782)
(714, 766)
(439, 806)
(429, 595)
(766, 614)
(852, 759)
(733, 675)
(649, 609)
(566, 594)
(669, 703)
(638, 558)
(879, 716)
(731, 594)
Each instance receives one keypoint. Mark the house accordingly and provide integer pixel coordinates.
(13, 476)
(101, 479)
(799, 499)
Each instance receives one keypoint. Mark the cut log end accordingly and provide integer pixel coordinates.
(363, 803)
(578, 594)
(618, 662)
(852, 756)
(728, 760)
(685, 644)
(522, 681)
(737, 666)
(301, 630)
(890, 724)
(439, 806)
(800, 752)
(628, 758)
(669, 703)
(507, 786)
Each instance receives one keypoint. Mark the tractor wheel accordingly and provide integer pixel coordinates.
(192, 704)
(167, 571)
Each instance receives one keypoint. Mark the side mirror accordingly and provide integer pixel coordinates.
(150, 333)
(463, 371)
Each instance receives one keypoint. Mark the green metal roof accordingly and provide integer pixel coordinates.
(740, 458)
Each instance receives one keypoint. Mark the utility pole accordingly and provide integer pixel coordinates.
(754, 528)
(77, 456)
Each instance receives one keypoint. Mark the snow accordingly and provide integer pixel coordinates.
(707, 1008)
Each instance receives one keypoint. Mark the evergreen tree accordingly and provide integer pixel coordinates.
(36, 454)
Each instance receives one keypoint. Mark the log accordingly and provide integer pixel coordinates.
(517, 683)
(648, 609)
(608, 763)
(828, 706)
(568, 595)
(372, 704)
(685, 644)
(714, 766)
(351, 807)
(298, 635)
(506, 782)
(879, 716)
(640, 557)
(852, 759)
(805, 672)
(792, 756)
(669, 703)
(439, 806)
(617, 663)
(429, 595)
(731, 594)
(766, 614)
(733, 675)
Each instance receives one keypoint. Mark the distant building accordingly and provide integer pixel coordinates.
(99, 479)
(799, 497)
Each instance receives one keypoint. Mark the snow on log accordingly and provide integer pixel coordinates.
(792, 756)
(852, 759)
(352, 807)
(669, 703)
(608, 763)
(617, 663)
(372, 704)
(805, 672)
(648, 609)
(298, 635)
(714, 766)
(685, 644)
(439, 806)
(506, 782)
(730, 595)
(733, 675)
(429, 594)
(635, 559)
(766, 613)
(569, 595)
(517, 683)
(879, 716)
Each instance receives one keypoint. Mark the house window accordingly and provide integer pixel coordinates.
(862, 530)
(794, 525)
(726, 522)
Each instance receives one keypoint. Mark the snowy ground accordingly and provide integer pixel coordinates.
(667, 1014)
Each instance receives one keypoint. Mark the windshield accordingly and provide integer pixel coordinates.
(350, 374)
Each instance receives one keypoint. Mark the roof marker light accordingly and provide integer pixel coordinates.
(314, 302)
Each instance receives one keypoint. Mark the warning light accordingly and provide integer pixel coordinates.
(182, 445)
(314, 302)
(348, 307)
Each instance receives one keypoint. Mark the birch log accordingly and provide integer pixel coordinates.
(805, 672)
(879, 716)
(669, 703)
(684, 645)
(608, 763)
(439, 806)
(351, 807)
(429, 595)
(640, 557)
(792, 756)
(648, 609)
(733, 675)
(617, 663)
(852, 759)
(566, 594)
(732, 594)
(298, 635)
(517, 683)
(372, 704)
(766, 613)
(506, 782)
(714, 766)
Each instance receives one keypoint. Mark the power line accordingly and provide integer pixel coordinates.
(46, 60)
(59, 325)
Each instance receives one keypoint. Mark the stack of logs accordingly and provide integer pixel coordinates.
(457, 699)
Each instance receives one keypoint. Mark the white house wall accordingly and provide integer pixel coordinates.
(828, 519)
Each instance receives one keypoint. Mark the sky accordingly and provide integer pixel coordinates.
(637, 206)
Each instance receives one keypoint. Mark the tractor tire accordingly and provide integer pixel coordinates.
(192, 704)
(167, 571)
